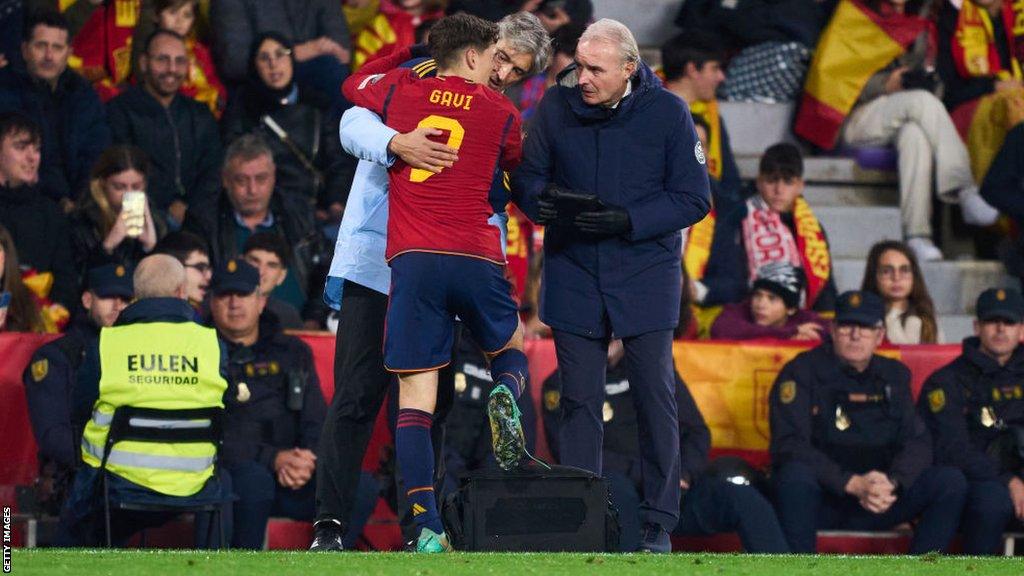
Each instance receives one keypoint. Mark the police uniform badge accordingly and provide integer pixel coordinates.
(787, 391)
(1001, 295)
(232, 266)
(842, 420)
(607, 412)
(243, 392)
(551, 400)
(936, 400)
(40, 368)
(855, 301)
(119, 271)
(460, 382)
(988, 417)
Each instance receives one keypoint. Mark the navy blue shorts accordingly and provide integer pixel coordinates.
(427, 292)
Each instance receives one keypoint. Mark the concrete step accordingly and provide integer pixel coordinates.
(650, 21)
(956, 327)
(754, 126)
(852, 231)
(851, 195)
(954, 285)
(823, 170)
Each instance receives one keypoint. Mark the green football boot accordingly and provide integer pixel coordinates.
(431, 542)
(506, 430)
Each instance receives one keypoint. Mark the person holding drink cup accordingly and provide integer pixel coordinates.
(114, 223)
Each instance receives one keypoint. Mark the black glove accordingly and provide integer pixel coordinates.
(548, 209)
(612, 221)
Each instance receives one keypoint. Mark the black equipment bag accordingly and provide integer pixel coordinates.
(532, 509)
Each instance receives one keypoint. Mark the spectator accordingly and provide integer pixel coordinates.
(692, 66)
(772, 311)
(317, 27)
(744, 24)
(563, 47)
(249, 205)
(102, 41)
(101, 230)
(135, 359)
(592, 122)
(68, 111)
(895, 105)
(400, 23)
(979, 61)
(178, 134)
(269, 254)
(179, 16)
(894, 274)
(778, 216)
(709, 505)
(553, 14)
(62, 381)
(296, 122)
(1003, 186)
(273, 424)
(21, 312)
(194, 254)
(39, 228)
(848, 449)
(975, 411)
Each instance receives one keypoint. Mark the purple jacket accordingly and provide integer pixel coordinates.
(736, 323)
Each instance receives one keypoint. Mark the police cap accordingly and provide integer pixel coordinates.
(860, 308)
(109, 281)
(235, 276)
(1000, 304)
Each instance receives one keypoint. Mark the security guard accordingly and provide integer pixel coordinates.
(274, 419)
(467, 440)
(153, 356)
(62, 383)
(848, 448)
(974, 407)
(709, 504)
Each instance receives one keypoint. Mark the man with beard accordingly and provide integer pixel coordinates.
(178, 134)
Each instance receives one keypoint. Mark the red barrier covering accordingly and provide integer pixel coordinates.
(18, 461)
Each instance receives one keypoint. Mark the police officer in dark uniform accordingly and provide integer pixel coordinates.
(709, 504)
(62, 382)
(273, 421)
(848, 448)
(467, 440)
(974, 407)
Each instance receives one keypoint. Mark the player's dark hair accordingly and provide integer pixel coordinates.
(696, 46)
(48, 17)
(268, 242)
(12, 123)
(179, 245)
(565, 39)
(455, 34)
(782, 160)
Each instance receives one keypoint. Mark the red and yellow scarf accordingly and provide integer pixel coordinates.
(768, 240)
(974, 44)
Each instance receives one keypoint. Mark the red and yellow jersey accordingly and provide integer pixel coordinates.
(445, 212)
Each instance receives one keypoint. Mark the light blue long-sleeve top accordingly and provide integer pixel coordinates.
(362, 236)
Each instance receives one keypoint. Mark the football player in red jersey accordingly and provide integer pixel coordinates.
(446, 259)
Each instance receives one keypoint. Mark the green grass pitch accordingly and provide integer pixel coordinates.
(195, 563)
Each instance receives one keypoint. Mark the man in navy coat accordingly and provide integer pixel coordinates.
(609, 129)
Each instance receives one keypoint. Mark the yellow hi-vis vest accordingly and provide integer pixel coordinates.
(162, 365)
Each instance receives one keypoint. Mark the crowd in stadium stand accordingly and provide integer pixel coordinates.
(207, 132)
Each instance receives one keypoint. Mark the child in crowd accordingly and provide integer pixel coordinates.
(772, 310)
(894, 274)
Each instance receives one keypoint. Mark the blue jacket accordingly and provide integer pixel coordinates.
(643, 156)
(74, 141)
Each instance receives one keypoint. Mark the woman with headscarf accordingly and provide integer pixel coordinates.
(296, 123)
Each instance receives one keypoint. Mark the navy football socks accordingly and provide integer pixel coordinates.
(416, 460)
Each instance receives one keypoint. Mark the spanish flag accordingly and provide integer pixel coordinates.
(856, 44)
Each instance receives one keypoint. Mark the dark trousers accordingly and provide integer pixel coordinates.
(582, 363)
(987, 514)
(804, 507)
(360, 385)
(258, 497)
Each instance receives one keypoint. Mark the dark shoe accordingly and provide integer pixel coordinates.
(654, 538)
(327, 535)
